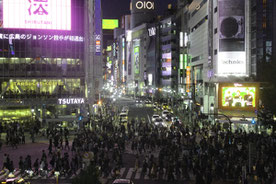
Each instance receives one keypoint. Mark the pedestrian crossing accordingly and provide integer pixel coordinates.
(131, 173)
(17, 174)
(127, 173)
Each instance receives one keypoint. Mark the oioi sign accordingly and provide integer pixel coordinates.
(145, 5)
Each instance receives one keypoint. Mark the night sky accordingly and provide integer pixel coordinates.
(118, 8)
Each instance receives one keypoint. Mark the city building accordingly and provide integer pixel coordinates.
(227, 45)
(45, 63)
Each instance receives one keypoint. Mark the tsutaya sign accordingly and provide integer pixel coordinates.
(144, 5)
(70, 101)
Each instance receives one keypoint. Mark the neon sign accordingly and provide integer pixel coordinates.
(37, 14)
(41, 37)
(145, 5)
(152, 31)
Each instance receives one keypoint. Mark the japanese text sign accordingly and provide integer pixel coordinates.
(37, 14)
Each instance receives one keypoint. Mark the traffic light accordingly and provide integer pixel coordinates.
(80, 117)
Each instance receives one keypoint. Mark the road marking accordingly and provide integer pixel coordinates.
(149, 118)
(16, 173)
(164, 174)
(138, 174)
(109, 176)
(146, 176)
(122, 170)
(129, 174)
(3, 176)
(73, 175)
(36, 177)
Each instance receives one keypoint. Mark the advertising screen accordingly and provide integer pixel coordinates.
(98, 28)
(110, 23)
(231, 55)
(136, 59)
(239, 96)
(37, 14)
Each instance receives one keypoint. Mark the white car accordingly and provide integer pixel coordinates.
(123, 117)
(154, 117)
(160, 122)
(125, 109)
(165, 113)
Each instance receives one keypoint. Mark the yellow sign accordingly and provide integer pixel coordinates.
(188, 79)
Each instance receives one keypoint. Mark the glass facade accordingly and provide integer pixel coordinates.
(43, 63)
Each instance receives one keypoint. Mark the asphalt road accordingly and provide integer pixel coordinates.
(138, 111)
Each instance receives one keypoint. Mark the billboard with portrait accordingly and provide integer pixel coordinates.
(137, 61)
(231, 30)
(37, 14)
(238, 96)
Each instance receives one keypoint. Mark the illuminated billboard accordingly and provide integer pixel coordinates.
(37, 14)
(231, 31)
(110, 23)
(238, 96)
(136, 59)
(98, 27)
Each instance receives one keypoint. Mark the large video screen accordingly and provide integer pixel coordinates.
(110, 23)
(37, 14)
(239, 97)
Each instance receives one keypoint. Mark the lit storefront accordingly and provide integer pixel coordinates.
(41, 59)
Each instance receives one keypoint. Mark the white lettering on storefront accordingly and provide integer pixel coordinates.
(70, 101)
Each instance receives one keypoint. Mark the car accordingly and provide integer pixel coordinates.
(138, 100)
(125, 109)
(122, 181)
(148, 103)
(154, 117)
(165, 106)
(165, 113)
(123, 117)
(170, 110)
(159, 122)
(168, 117)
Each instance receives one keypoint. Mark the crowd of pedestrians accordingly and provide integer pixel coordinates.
(208, 152)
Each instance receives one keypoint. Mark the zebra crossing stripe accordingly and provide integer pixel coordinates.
(109, 176)
(78, 171)
(16, 173)
(138, 174)
(122, 170)
(36, 177)
(2, 177)
(164, 174)
(146, 177)
(73, 175)
(129, 174)
(26, 177)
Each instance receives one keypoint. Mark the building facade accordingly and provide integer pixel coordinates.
(44, 63)
(227, 45)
